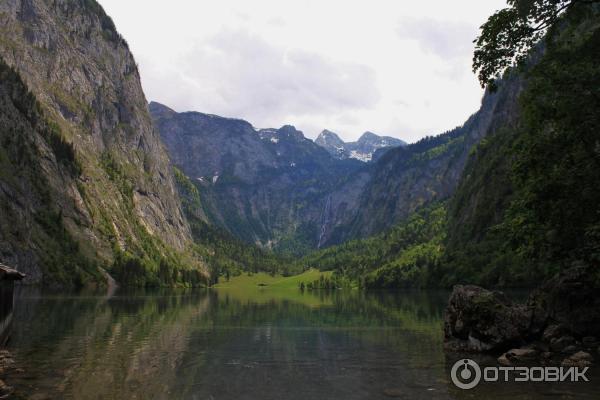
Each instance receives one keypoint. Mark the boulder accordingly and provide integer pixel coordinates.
(561, 343)
(554, 331)
(568, 303)
(518, 356)
(580, 359)
(563, 316)
(504, 361)
(570, 349)
(481, 320)
(5, 390)
(10, 274)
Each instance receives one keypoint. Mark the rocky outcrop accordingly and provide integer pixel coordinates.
(481, 320)
(9, 274)
(7, 364)
(568, 305)
(560, 319)
(266, 186)
(283, 191)
(85, 79)
(405, 178)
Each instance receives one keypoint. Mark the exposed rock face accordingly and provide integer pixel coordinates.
(267, 186)
(480, 320)
(278, 189)
(561, 318)
(86, 80)
(363, 150)
(405, 178)
(568, 304)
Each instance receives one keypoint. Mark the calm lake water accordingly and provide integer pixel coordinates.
(221, 344)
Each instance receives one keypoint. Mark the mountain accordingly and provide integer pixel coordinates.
(409, 177)
(85, 172)
(509, 199)
(263, 186)
(528, 204)
(364, 149)
(277, 189)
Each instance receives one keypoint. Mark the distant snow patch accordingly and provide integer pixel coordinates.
(364, 157)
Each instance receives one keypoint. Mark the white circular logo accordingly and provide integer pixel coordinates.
(465, 374)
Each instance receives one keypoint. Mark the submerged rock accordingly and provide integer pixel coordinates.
(5, 390)
(518, 356)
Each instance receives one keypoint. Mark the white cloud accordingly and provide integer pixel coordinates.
(397, 68)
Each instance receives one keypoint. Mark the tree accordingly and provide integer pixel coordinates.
(510, 33)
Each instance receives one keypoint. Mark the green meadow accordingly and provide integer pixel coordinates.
(262, 288)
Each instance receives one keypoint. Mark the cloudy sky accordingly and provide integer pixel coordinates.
(393, 67)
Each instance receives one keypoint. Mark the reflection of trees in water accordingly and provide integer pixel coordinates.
(155, 343)
(6, 310)
(92, 347)
(417, 310)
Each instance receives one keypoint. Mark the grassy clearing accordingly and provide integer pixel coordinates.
(263, 288)
(263, 280)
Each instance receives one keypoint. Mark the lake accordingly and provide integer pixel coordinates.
(227, 344)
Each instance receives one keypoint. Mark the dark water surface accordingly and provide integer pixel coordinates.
(225, 345)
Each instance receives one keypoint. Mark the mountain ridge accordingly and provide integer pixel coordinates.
(122, 200)
(363, 149)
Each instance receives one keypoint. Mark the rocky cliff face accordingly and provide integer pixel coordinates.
(278, 189)
(81, 71)
(264, 186)
(406, 178)
(364, 149)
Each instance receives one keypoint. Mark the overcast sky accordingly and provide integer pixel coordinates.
(393, 67)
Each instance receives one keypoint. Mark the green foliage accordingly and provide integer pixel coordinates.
(64, 264)
(528, 202)
(555, 215)
(135, 271)
(333, 282)
(26, 187)
(510, 33)
(24, 101)
(406, 255)
(225, 255)
(116, 174)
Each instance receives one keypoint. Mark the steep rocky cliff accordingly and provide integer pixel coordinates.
(121, 197)
(276, 188)
(406, 178)
(264, 186)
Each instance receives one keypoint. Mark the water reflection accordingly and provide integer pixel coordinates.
(226, 345)
(6, 310)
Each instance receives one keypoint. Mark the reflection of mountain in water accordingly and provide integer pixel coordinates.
(233, 345)
(6, 310)
(180, 345)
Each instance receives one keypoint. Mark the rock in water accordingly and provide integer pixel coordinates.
(481, 320)
(570, 300)
(562, 315)
(580, 359)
